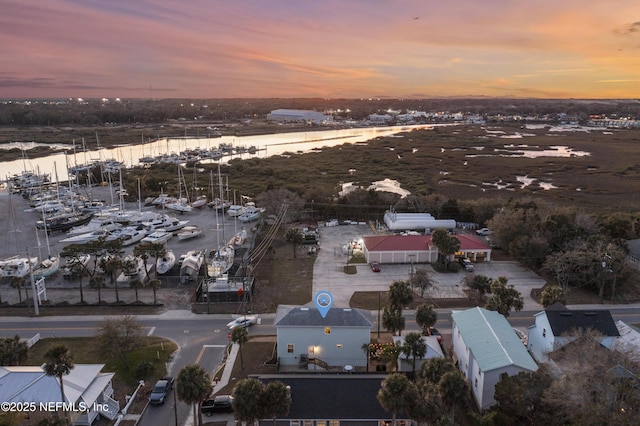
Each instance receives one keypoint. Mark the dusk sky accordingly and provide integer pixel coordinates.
(327, 48)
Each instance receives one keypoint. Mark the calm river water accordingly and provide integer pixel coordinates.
(267, 145)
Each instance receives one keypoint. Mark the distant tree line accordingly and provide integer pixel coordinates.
(51, 112)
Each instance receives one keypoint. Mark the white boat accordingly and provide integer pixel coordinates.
(89, 237)
(251, 213)
(190, 264)
(165, 222)
(235, 210)
(158, 237)
(69, 268)
(180, 205)
(163, 199)
(130, 234)
(136, 270)
(222, 261)
(200, 202)
(219, 205)
(47, 267)
(166, 262)
(17, 266)
(239, 238)
(95, 224)
(189, 232)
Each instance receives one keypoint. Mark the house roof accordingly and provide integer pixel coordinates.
(433, 347)
(416, 242)
(491, 340)
(309, 316)
(565, 321)
(31, 384)
(340, 397)
(629, 340)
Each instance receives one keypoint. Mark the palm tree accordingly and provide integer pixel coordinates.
(248, 407)
(400, 294)
(193, 386)
(59, 363)
(393, 320)
(18, 282)
(389, 355)
(415, 347)
(452, 387)
(240, 336)
(446, 244)
(155, 285)
(426, 316)
(276, 400)
(98, 282)
(433, 369)
(13, 351)
(396, 394)
(366, 347)
(422, 280)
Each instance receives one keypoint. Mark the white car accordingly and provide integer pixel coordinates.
(483, 231)
(243, 321)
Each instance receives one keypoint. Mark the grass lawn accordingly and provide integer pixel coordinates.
(85, 350)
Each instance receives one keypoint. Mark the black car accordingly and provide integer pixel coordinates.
(219, 404)
(161, 391)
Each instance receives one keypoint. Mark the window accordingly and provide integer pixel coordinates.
(475, 383)
(290, 348)
(327, 330)
(544, 332)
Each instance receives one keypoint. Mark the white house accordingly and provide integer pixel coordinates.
(405, 363)
(555, 327)
(84, 387)
(305, 339)
(485, 346)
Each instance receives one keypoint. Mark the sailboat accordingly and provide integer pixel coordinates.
(51, 264)
(223, 257)
(182, 204)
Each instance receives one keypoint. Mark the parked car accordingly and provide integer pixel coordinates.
(244, 321)
(483, 231)
(161, 391)
(375, 266)
(466, 264)
(219, 404)
(432, 331)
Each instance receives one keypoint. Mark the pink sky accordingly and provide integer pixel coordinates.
(328, 48)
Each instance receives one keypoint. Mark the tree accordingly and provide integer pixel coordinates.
(248, 407)
(396, 394)
(274, 199)
(426, 316)
(427, 404)
(98, 283)
(478, 285)
(452, 388)
(519, 397)
(433, 369)
(294, 236)
(504, 297)
(414, 347)
(393, 320)
(275, 400)
(366, 347)
(112, 262)
(193, 385)
(136, 284)
(119, 337)
(155, 284)
(389, 355)
(13, 351)
(153, 250)
(400, 294)
(447, 244)
(18, 283)
(553, 294)
(59, 363)
(422, 280)
(240, 336)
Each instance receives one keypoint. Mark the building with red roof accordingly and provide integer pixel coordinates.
(419, 249)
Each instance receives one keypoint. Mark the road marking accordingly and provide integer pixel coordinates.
(151, 330)
(204, 348)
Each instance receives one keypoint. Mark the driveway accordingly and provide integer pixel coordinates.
(328, 272)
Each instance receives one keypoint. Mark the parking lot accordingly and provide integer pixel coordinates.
(329, 275)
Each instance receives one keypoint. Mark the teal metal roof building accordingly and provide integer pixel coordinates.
(485, 346)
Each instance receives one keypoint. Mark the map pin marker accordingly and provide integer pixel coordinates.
(323, 300)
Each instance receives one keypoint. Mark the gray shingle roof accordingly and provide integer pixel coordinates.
(309, 316)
